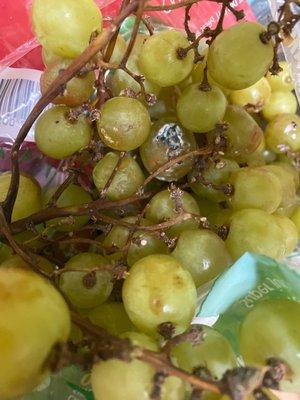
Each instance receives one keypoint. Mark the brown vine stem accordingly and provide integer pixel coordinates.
(175, 160)
(121, 347)
(69, 179)
(96, 45)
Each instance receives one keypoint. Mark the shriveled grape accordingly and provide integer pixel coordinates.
(33, 320)
(160, 61)
(29, 198)
(162, 207)
(256, 231)
(159, 290)
(202, 253)
(57, 137)
(253, 98)
(77, 90)
(280, 103)
(283, 133)
(85, 281)
(214, 352)
(255, 188)
(238, 57)
(271, 329)
(127, 180)
(200, 110)
(124, 124)
(65, 27)
(168, 139)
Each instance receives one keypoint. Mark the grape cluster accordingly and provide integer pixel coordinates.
(178, 166)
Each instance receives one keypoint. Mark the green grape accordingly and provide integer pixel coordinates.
(253, 98)
(162, 208)
(280, 103)
(119, 50)
(200, 110)
(287, 182)
(255, 159)
(221, 217)
(243, 134)
(140, 339)
(73, 195)
(296, 219)
(166, 103)
(255, 188)
(5, 252)
(202, 253)
(112, 317)
(185, 83)
(49, 57)
(238, 57)
(65, 27)
(207, 207)
(291, 170)
(283, 133)
(15, 261)
(128, 179)
(167, 140)
(59, 138)
(198, 70)
(215, 174)
(142, 244)
(76, 335)
(121, 80)
(124, 124)
(257, 231)
(30, 239)
(290, 233)
(271, 329)
(77, 91)
(139, 42)
(214, 353)
(158, 290)
(283, 80)
(133, 380)
(29, 198)
(160, 62)
(34, 319)
(83, 287)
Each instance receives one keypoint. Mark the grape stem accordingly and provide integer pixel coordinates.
(66, 183)
(55, 89)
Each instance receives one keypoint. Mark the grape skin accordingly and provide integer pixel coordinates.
(280, 103)
(253, 98)
(33, 319)
(283, 133)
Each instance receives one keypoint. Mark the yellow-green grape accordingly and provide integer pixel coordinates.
(65, 27)
(133, 380)
(283, 80)
(290, 233)
(5, 252)
(119, 50)
(59, 138)
(238, 57)
(77, 91)
(287, 182)
(255, 188)
(127, 180)
(256, 159)
(200, 110)
(29, 197)
(291, 170)
(256, 231)
(185, 83)
(84, 280)
(214, 352)
(221, 217)
(162, 207)
(215, 174)
(283, 133)
(158, 290)
(202, 253)
(207, 206)
(243, 134)
(280, 103)
(73, 195)
(140, 339)
(34, 319)
(271, 329)
(166, 103)
(124, 124)
(112, 317)
(142, 244)
(168, 139)
(16, 261)
(121, 80)
(139, 42)
(198, 70)
(160, 61)
(49, 57)
(253, 98)
(296, 219)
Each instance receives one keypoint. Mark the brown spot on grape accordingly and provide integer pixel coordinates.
(178, 281)
(156, 305)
